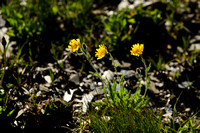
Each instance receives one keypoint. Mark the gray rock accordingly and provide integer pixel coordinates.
(2, 21)
(21, 112)
(180, 49)
(169, 109)
(154, 78)
(153, 88)
(75, 78)
(109, 75)
(87, 98)
(48, 79)
(187, 110)
(122, 64)
(184, 84)
(159, 84)
(43, 88)
(127, 73)
(68, 96)
(118, 88)
(38, 93)
(195, 39)
(167, 96)
(195, 46)
(125, 65)
(123, 4)
(98, 91)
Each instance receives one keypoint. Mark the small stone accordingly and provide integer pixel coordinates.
(184, 84)
(194, 47)
(68, 96)
(169, 46)
(74, 78)
(48, 79)
(166, 96)
(180, 49)
(87, 98)
(154, 78)
(159, 84)
(81, 84)
(106, 118)
(169, 109)
(153, 88)
(20, 112)
(89, 76)
(125, 64)
(118, 88)
(195, 39)
(127, 73)
(187, 109)
(38, 93)
(168, 115)
(109, 75)
(2, 21)
(99, 83)
(123, 4)
(42, 111)
(47, 85)
(43, 88)
(98, 91)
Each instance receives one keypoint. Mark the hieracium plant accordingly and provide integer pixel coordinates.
(115, 98)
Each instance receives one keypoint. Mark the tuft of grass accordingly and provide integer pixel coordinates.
(122, 120)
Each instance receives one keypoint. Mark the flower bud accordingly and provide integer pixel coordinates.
(4, 42)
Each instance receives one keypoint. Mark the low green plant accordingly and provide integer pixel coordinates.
(35, 22)
(4, 58)
(116, 99)
(29, 25)
(6, 114)
(124, 27)
(189, 126)
(122, 120)
(51, 76)
(160, 65)
(51, 114)
(117, 27)
(176, 23)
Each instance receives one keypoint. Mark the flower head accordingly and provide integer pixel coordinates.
(137, 49)
(101, 51)
(74, 45)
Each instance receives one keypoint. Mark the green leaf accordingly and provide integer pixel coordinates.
(132, 21)
(94, 74)
(19, 15)
(55, 9)
(10, 113)
(124, 23)
(148, 82)
(10, 33)
(12, 22)
(148, 68)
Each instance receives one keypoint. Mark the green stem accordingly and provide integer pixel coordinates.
(145, 67)
(86, 54)
(4, 71)
(114, 66)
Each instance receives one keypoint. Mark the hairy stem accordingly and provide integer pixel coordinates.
(145, 68)
(4, 66)
(114, 66)
(88, 58)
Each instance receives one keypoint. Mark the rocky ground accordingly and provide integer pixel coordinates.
(51, 82)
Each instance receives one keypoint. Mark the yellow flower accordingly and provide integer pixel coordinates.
(137, 49)
(74, 45)
(101, 51)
